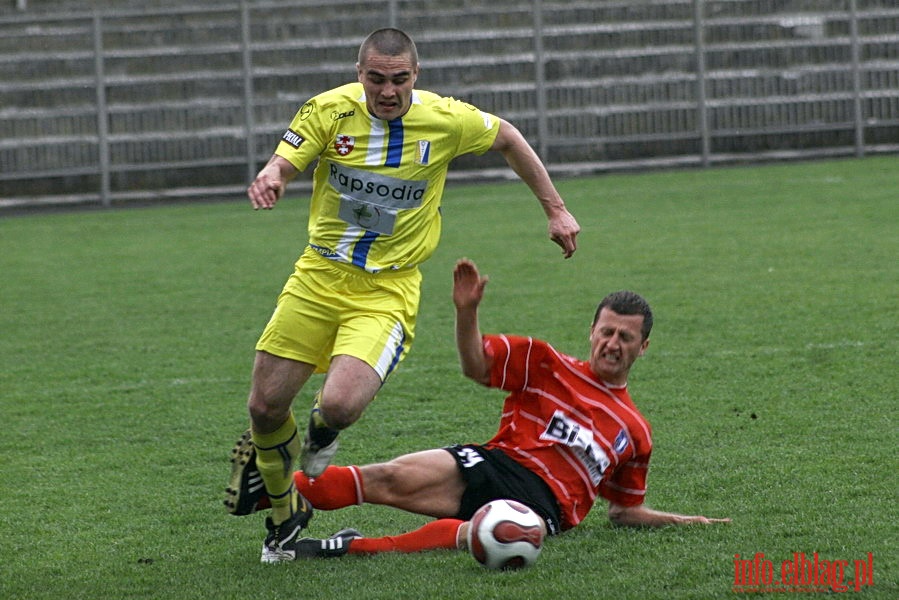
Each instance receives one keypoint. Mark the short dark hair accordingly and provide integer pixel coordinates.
(625, 302)
(388, 41)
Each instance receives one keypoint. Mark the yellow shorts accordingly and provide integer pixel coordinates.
(328, 308)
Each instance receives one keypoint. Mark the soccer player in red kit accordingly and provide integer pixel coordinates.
(569, 432)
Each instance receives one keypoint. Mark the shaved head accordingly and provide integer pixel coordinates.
(388, 42)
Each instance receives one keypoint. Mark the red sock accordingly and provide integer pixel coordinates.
(439, 534)
(337, 487)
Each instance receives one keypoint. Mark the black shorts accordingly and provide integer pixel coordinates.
(490, 474)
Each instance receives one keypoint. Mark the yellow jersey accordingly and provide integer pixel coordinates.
(378, 184)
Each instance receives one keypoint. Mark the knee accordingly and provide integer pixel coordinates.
(267, 414)
(382, 482)
(340, 413)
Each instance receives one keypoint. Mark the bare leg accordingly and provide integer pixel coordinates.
(427, 483)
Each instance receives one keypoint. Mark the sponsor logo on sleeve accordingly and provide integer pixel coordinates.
(293, 138)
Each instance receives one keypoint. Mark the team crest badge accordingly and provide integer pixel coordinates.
(344, 144)
(424, 152)
(621, 442)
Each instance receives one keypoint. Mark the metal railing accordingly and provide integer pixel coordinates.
(131, 105)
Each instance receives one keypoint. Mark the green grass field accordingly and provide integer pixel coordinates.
(771, 383)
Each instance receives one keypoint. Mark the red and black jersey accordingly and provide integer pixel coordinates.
(583, 436)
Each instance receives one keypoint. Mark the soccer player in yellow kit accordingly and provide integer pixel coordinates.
(349, 309)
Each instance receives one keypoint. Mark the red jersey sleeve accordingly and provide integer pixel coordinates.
(510, 355)
(627, 484)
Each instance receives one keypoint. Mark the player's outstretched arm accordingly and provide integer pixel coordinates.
(643, 516)
(270, 183)
(563, 227)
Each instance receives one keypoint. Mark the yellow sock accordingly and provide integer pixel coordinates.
(276, 454)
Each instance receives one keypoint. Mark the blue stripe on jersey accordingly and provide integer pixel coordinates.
(362, 248)
(394, 143)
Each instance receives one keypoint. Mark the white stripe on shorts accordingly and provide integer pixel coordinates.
(390, 355)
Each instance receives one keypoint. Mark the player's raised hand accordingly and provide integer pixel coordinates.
(468, 285)
(468, 289)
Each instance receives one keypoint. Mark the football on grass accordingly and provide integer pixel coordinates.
(505, 534)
